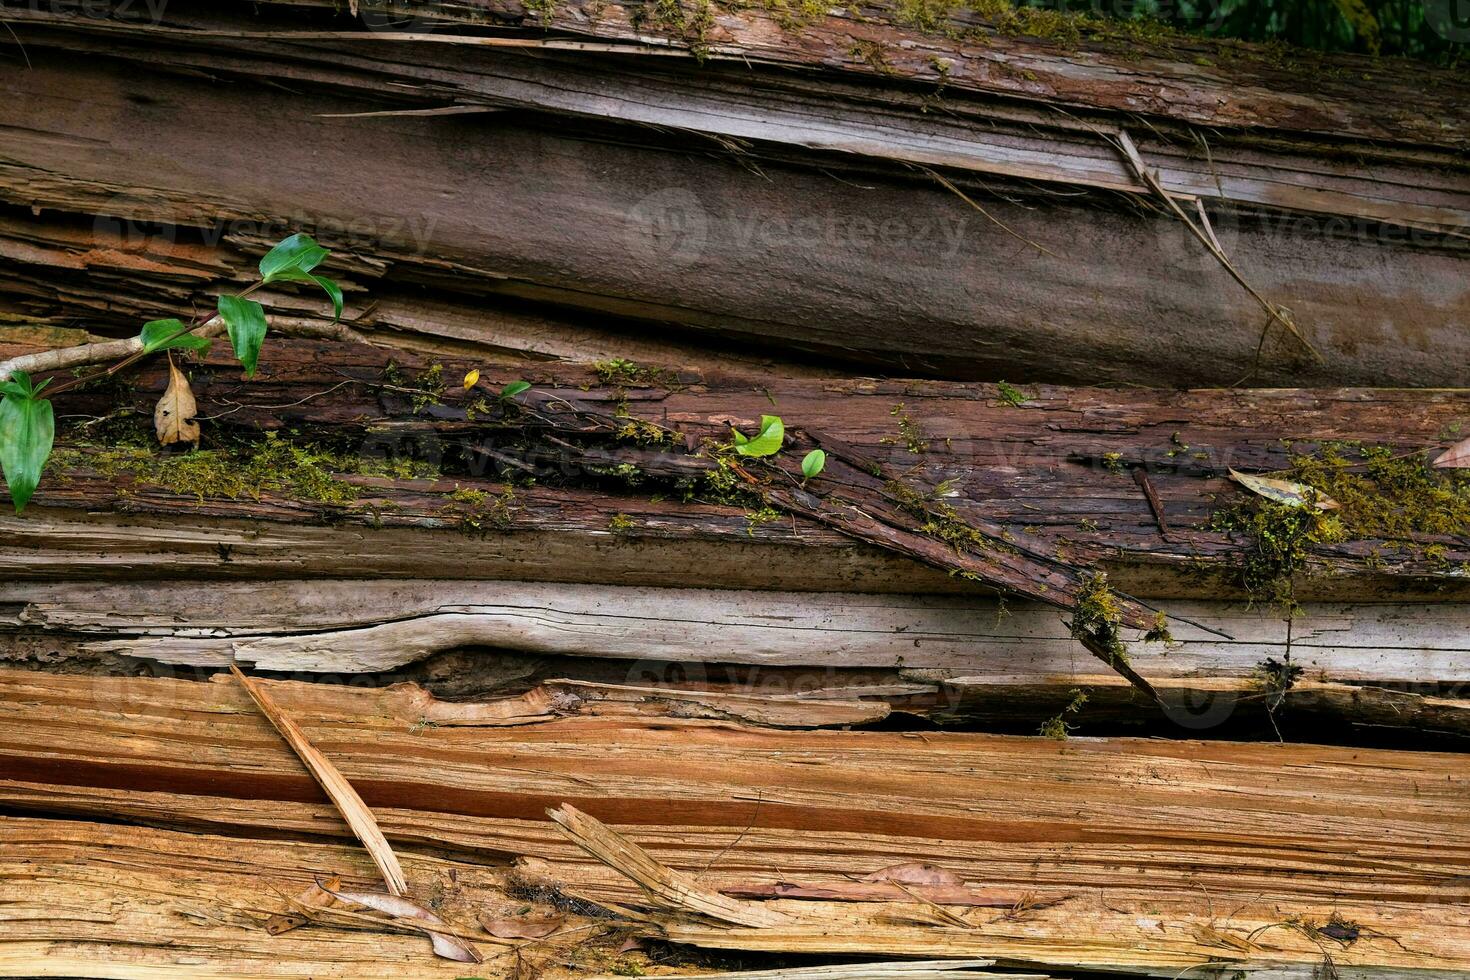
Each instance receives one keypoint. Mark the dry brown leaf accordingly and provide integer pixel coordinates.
(411, 913)
(915, 873)
(1455, 457)
(173, 417)
(1284, 491)
(351, 806)
(314, 897)
(522, 926)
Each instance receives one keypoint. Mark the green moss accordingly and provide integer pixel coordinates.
(1096, 617)
(620, 524)
(692, 21)
(1010, 395)
(425, 389)
(938, 520)
(619, 371)
(1382, 495)
(476, 512)
(1281, 537)
(1159, 632)
(1387, 495)
(543, 9)
(1113, 462)
(914, 439)
(1056, 726)
(270, 465)
(765, 515)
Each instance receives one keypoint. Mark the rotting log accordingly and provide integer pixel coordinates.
(770, 242)
(1049, 477)
(1157, 857)
(94, 899)
(785, 659)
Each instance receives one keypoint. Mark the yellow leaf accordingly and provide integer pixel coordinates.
(471, 379)
(1284, 491)
(173, 418)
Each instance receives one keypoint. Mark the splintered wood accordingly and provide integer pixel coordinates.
(1143, 856)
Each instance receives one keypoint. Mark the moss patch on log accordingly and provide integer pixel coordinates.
(1383, 495)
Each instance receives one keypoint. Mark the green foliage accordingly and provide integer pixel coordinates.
(292, 260)
(27, 426)
(767, 442)
(170, 335)
(513, 389)
(27, 430)
(245, 323)
(813, 463)
(291, 257)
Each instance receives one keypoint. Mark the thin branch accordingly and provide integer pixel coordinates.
(1206, 235)
(105, 351)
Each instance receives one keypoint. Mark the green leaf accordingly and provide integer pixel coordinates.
(812, 463)
(297, 254)
(767, 442)
(27, 429)
(333, 291)
(514, 388)
(245, 321)
(159, 335)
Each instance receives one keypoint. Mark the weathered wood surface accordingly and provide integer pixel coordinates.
(787, 659)
(1407, 186)
(1009, 468)
(854, 256)
(131, 903)
(1162, 855)
(1239, 86)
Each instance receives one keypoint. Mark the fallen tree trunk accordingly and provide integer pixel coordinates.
(697, 181)
(779, 658)
(1136, 856)
(1048, 479)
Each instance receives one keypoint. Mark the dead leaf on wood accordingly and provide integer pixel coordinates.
(1455, 457)
(522, 926)
(314, 897)
(411, 913)
(173, 417)
(1284, 491)
(915, 873)
(351, 806)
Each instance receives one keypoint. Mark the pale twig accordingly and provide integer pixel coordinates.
(1206, 235)
(104, 351)
(948, 185)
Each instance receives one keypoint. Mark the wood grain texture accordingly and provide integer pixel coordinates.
(1009, 467)
(780, 251)
(132, 903)
(1159, 848)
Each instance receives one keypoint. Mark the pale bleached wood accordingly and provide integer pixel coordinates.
(348, 625)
